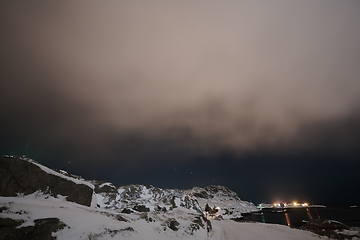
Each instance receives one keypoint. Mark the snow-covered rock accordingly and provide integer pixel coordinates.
(39, 218)
(227, 202)
(140, 198)
(23, 176)
(135, 196)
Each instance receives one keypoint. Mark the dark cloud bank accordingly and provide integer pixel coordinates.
(187, 93)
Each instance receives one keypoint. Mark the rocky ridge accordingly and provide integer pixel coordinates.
(182, 211)
(146, 198)
(23, 176)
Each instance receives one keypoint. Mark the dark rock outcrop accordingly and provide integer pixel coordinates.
(43, 229)
(172, 224)
(141, 208)
(8, 222)
(20, 176)
(330, 228)
(212, 191)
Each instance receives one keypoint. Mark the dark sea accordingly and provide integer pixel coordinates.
(296, 216)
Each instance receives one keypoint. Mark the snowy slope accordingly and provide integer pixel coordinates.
(226, 230)
(90, 223)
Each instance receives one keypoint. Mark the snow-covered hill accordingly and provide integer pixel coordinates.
(23, 176)
(125, 212)
(40, 217)
(145, 198)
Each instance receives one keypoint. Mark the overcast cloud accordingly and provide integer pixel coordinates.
(205, 76)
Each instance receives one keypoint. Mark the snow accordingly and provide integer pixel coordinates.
(177, 201)
(106, 184)
(94, 200)
(348, 232)
(52, 172)
(93, 223)
(226, 229)
(145, 194)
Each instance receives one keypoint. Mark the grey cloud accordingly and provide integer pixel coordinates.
(239, 75)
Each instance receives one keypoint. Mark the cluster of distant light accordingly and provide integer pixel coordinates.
(283, 205)
(293, 204)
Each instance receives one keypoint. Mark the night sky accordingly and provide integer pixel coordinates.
(260, 96)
